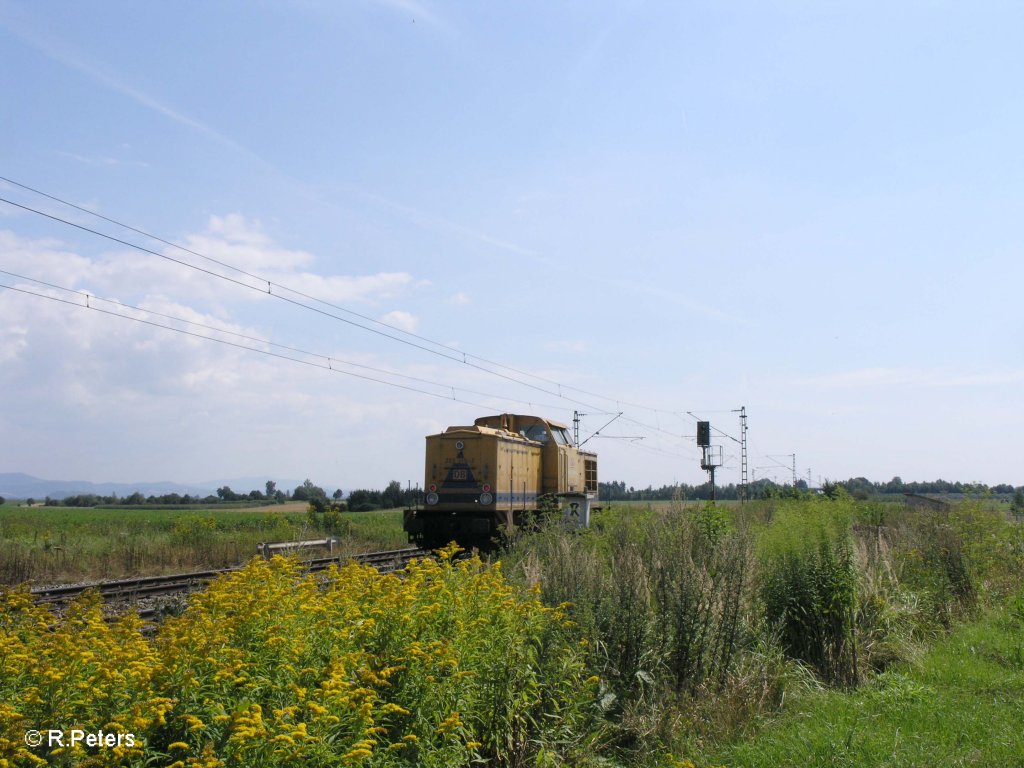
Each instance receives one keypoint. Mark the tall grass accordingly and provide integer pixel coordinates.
(662, 601)
(700, 618)
(55, 544)
(809, 587)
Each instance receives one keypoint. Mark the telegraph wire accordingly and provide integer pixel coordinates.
(456, 355)
(239, 346)
(723, 434)
(281, 286)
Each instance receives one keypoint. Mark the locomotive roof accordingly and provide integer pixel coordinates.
(518, 418)
(478, 429)
(505, 425)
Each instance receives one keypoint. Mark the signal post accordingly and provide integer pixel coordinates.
(710, 455)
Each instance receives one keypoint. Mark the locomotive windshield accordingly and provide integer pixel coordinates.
(536, 432)
(539, 432)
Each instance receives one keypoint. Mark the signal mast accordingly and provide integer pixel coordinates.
(711, 455)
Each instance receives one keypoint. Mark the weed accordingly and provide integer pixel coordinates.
(809, 587)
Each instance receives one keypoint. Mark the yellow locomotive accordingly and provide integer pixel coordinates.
(485, 480)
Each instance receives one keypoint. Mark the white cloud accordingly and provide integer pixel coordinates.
(131, 275)
(402, 320)
(94, 363)
(188, 406)
(12, 342)
(459, 299)
(242, 243)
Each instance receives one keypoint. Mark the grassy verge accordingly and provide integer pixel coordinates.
(962, 704)
(54, 544)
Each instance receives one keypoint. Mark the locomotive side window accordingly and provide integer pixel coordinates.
(561, 436)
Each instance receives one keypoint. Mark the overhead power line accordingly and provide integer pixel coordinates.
(456, 354)
(464, 359)
(330, 360)
(275, 289)
(318, 360)
(314, 363)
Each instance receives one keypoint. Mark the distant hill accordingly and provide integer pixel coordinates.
(17, 485)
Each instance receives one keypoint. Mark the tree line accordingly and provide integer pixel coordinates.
(394, 495)
(617, 490)
(359, 500)
(858, 487)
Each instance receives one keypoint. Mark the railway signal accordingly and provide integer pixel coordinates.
(710, 455)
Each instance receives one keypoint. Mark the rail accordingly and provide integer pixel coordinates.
(127, 590)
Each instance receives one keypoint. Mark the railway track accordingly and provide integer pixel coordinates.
(135, 590)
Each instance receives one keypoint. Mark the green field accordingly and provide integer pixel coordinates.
(61, 544)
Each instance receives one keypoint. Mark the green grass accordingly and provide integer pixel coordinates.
(53, 544)
(782, 631)
(962, 704)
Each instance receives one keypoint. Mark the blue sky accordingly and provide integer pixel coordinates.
(810, 209)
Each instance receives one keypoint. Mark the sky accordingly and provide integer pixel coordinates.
(369, 220)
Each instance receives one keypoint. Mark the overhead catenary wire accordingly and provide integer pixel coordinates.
(311, 363)
(458, 355)
(270, 284)
(265, 286)
(463, 360)
(331, 360)
(320, 361)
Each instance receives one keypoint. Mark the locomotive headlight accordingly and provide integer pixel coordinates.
(459, 445)
(486, 498)
(431, 499)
